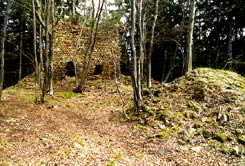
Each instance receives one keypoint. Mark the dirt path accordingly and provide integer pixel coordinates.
(87, 130)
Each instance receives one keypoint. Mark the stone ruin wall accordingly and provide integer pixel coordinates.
(107, 50)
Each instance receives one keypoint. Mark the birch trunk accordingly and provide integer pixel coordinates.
(51, 48)
(190, 35)
(73, 7)
(151, 45)
(140, 58)
(136, 88)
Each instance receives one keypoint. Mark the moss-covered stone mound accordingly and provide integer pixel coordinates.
(204, 106)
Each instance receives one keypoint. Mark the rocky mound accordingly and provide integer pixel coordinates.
(205, 107)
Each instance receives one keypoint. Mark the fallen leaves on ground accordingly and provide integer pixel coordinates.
(89, 128)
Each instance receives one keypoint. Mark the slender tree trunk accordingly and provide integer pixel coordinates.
(51, 48)
(144, 32)
(140, 59)
(21, 43)
(47, 45)
(40, 64)
(217, 51)
(90, 48)
(74, 57)
(229, 46)
(165, 57)
(137, 95)
(190, 35)
(141, 38)
(62, 6)
(73, 7)
(21, 53)
(172, 64)
(2, 46)
(37, 73)
(151, 45)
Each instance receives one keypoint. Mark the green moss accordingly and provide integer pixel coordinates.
(67, 150)
(224, 149)
(80, 141)
(4, 163)
(194, 106)
(197, 124)
(177, 117)
(243, 111)
(220, 137)
(241, 139)
(139, 155)
(163, 134)
(123, 119)
(110, 163)
(54, 149)
(152, 122)
(164, 115)
(66, 95)
(206, 134)
(215, 144)
(118, 155)
(238, 132)
(141, 127)
(174, 129)
(151, 112)
(190, 115)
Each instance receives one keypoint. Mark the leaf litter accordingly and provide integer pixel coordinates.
(198, 119)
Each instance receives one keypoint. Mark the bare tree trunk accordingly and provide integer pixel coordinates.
(217, 51)
(21, 42)
(2, 47)
(229, 46)
(21, 53)
(47, 45)
(62, 6)
(51, 48)
(140, 59)
(141, 38)
(73, 7)
(172, 65)
(137, 95)
(90, 48)
(37, 73)
(190, 35)
(74, 57)
(151, 45)
(45, 17)
(40, 64)
(144, 32)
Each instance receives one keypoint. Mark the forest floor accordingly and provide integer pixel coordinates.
(197, 119)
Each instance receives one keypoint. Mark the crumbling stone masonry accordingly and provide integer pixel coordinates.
(107, 50)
